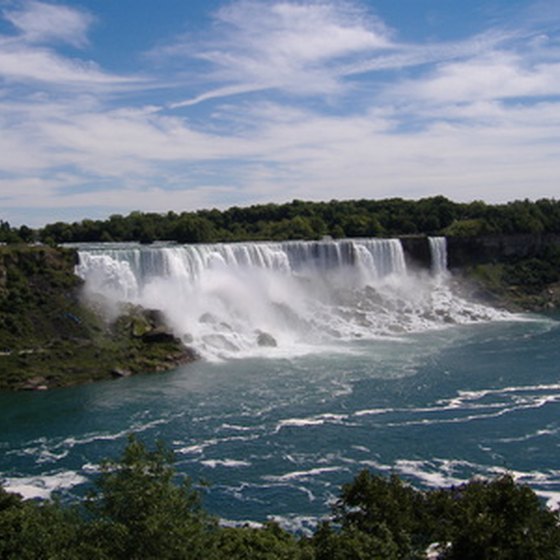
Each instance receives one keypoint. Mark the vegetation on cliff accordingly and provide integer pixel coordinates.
(50, 338)
(531, 284)
(141, 509)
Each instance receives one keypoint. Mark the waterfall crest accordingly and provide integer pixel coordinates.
(239, 299)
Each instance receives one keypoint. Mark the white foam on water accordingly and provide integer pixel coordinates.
(296, 524)
(533, 435)
(242, 523)
(228, 463)
(199, 448)
(296, 475)
(317, 420)
(42, 486)
(427, 473)
(552, 498)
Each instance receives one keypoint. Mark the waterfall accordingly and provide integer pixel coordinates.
(239, 299)
(438, 251)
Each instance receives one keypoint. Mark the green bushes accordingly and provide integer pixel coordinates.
(141, 509)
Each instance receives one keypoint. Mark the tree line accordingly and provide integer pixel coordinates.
(140, 508)
(306, 220)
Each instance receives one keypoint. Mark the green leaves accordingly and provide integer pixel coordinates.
(481, 520)
(139, 511)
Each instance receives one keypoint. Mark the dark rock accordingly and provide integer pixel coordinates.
(266, 339)
(155, 317)
(158, 335)
(37, 383)
(467, 251)
(120, 372)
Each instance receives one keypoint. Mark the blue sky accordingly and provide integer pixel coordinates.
(108, 107)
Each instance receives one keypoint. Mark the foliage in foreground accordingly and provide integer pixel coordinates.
(141, 509)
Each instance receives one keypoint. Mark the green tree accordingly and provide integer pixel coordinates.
(139, 511)
(267, 543)
(500, 520)
(31, 530)
(190, 228)
(384, 508)
(351, 543)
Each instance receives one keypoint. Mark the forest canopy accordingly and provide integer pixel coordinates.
(306, 220)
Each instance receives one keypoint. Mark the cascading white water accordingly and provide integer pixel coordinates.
(260, 298)
(438, 252)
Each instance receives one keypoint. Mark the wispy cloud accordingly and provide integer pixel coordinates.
(275, 100)
(29, 55)
(297, 48)
(20, 63)
(497, 75)
(38, 22)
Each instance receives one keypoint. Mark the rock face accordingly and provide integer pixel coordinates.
(518, 271)
(468, 251)
(481, 249)
(417, 251)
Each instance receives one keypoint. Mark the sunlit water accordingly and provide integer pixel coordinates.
(277, 434)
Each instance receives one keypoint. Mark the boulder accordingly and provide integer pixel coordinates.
(159, 334)
(37, 383)
(266, 339)
(120, 372)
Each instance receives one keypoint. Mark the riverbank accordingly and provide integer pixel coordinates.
(50, 338)
(494, 284)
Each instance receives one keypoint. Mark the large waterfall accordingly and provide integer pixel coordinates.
(269, 298)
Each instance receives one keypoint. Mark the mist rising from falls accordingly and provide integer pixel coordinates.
(260, 298)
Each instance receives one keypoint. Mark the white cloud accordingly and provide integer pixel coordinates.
(23, 64)
(39, 22)
(497, 75)
(294, 47)
(28, 56)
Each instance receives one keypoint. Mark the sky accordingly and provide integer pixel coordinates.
(112, 106)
